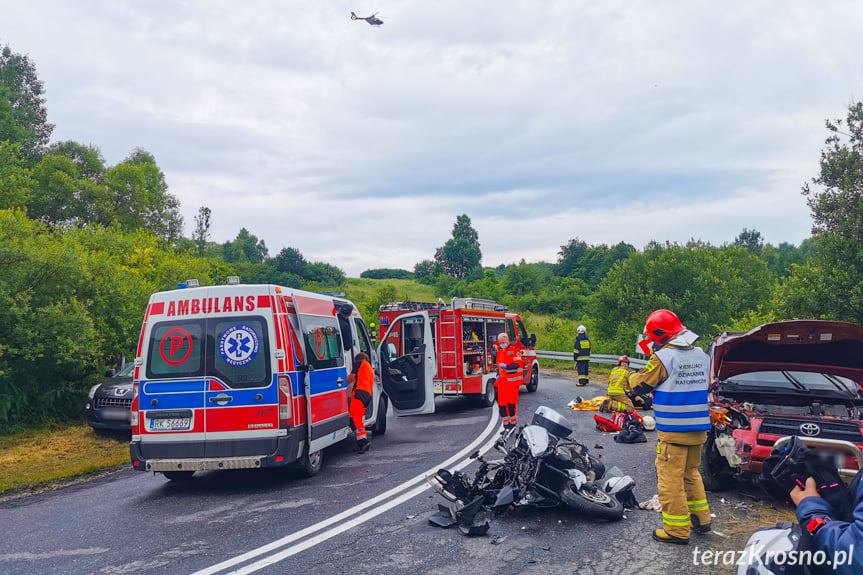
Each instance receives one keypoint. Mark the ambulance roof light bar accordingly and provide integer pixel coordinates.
(233, 280)
(193, 283)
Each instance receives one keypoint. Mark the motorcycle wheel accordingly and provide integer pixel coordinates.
(592, 502)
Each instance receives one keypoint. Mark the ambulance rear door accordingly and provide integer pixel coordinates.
(325, 378)
(408, 364)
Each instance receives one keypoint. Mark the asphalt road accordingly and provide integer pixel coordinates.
(363, 513)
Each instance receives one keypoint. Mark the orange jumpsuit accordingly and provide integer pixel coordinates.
(508, 383)
(362, 398)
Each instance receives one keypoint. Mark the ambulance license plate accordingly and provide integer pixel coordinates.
(172, 424)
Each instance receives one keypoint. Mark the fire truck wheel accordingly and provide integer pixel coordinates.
(534, 380)
(489, 398)
(179, 475)
(380, 426)
(311, 463)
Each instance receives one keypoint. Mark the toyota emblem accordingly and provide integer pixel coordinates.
(810, 429)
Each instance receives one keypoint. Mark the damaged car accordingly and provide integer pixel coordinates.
(791, 378)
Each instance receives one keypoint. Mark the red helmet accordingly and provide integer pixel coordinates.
(622, 358)
(661, 326)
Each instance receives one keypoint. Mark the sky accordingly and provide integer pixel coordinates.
(542, 121)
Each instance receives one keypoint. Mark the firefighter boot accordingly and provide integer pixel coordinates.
(661, 535)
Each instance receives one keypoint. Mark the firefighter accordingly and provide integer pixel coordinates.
(362, 378)
(373, 333)
(618, 383)
(677, 373)
(508, 383)
(581, 355)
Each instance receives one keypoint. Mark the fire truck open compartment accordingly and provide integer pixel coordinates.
(464, 334)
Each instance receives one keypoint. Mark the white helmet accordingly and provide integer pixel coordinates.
(581, 329)
(614, 485)
(648, 422)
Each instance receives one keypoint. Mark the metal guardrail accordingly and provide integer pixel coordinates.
(594, 358)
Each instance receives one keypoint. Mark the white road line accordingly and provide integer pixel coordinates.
(490, 428)
(321, 537)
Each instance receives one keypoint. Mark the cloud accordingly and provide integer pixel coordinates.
(360, 145)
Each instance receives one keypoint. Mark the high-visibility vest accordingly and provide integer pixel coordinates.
(508, 356)
(680, 402)
(617, 381)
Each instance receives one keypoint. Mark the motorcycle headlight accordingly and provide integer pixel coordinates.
(93, 390)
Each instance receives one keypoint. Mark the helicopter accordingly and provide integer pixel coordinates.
(373, 20)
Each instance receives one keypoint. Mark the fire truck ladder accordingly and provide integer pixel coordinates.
(449, 347)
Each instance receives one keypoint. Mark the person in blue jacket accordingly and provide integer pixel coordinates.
(838, 539)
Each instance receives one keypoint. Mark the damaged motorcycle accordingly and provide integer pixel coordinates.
(542, 466)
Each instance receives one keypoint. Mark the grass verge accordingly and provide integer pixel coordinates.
(39, 457)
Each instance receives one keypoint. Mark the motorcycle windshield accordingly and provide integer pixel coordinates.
(536, 439)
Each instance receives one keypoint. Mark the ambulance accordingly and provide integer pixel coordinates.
(461, 337)
(247, 376)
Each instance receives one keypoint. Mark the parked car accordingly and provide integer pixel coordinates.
(109, 402)
(788, 378)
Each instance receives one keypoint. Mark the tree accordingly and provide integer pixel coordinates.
(460, 256)
(522, 279)
(836, 201)
(489, 287)
(87, 158)
(139, 196)
(15, 179)
(245, 248)
(61, 197)
(751, 240)
(202, 229)
(324, 274)
(290, 261)
(11, 130)
(426, 271)
(569, 257)
(386, 274)
(21, 89)
(780, 258)
(704, 285)
(577, 259)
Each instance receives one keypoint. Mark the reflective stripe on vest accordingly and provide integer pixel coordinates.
(616, 381)
(680, 402)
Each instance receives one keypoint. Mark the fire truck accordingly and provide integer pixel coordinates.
(444, 350)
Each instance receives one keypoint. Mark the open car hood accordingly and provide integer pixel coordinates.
(831, 347)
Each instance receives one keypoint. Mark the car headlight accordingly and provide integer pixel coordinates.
(93, 390)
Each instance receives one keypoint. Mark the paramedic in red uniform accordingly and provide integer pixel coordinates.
(508, 383)
(362, 379)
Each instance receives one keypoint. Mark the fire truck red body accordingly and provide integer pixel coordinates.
(464, 334)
